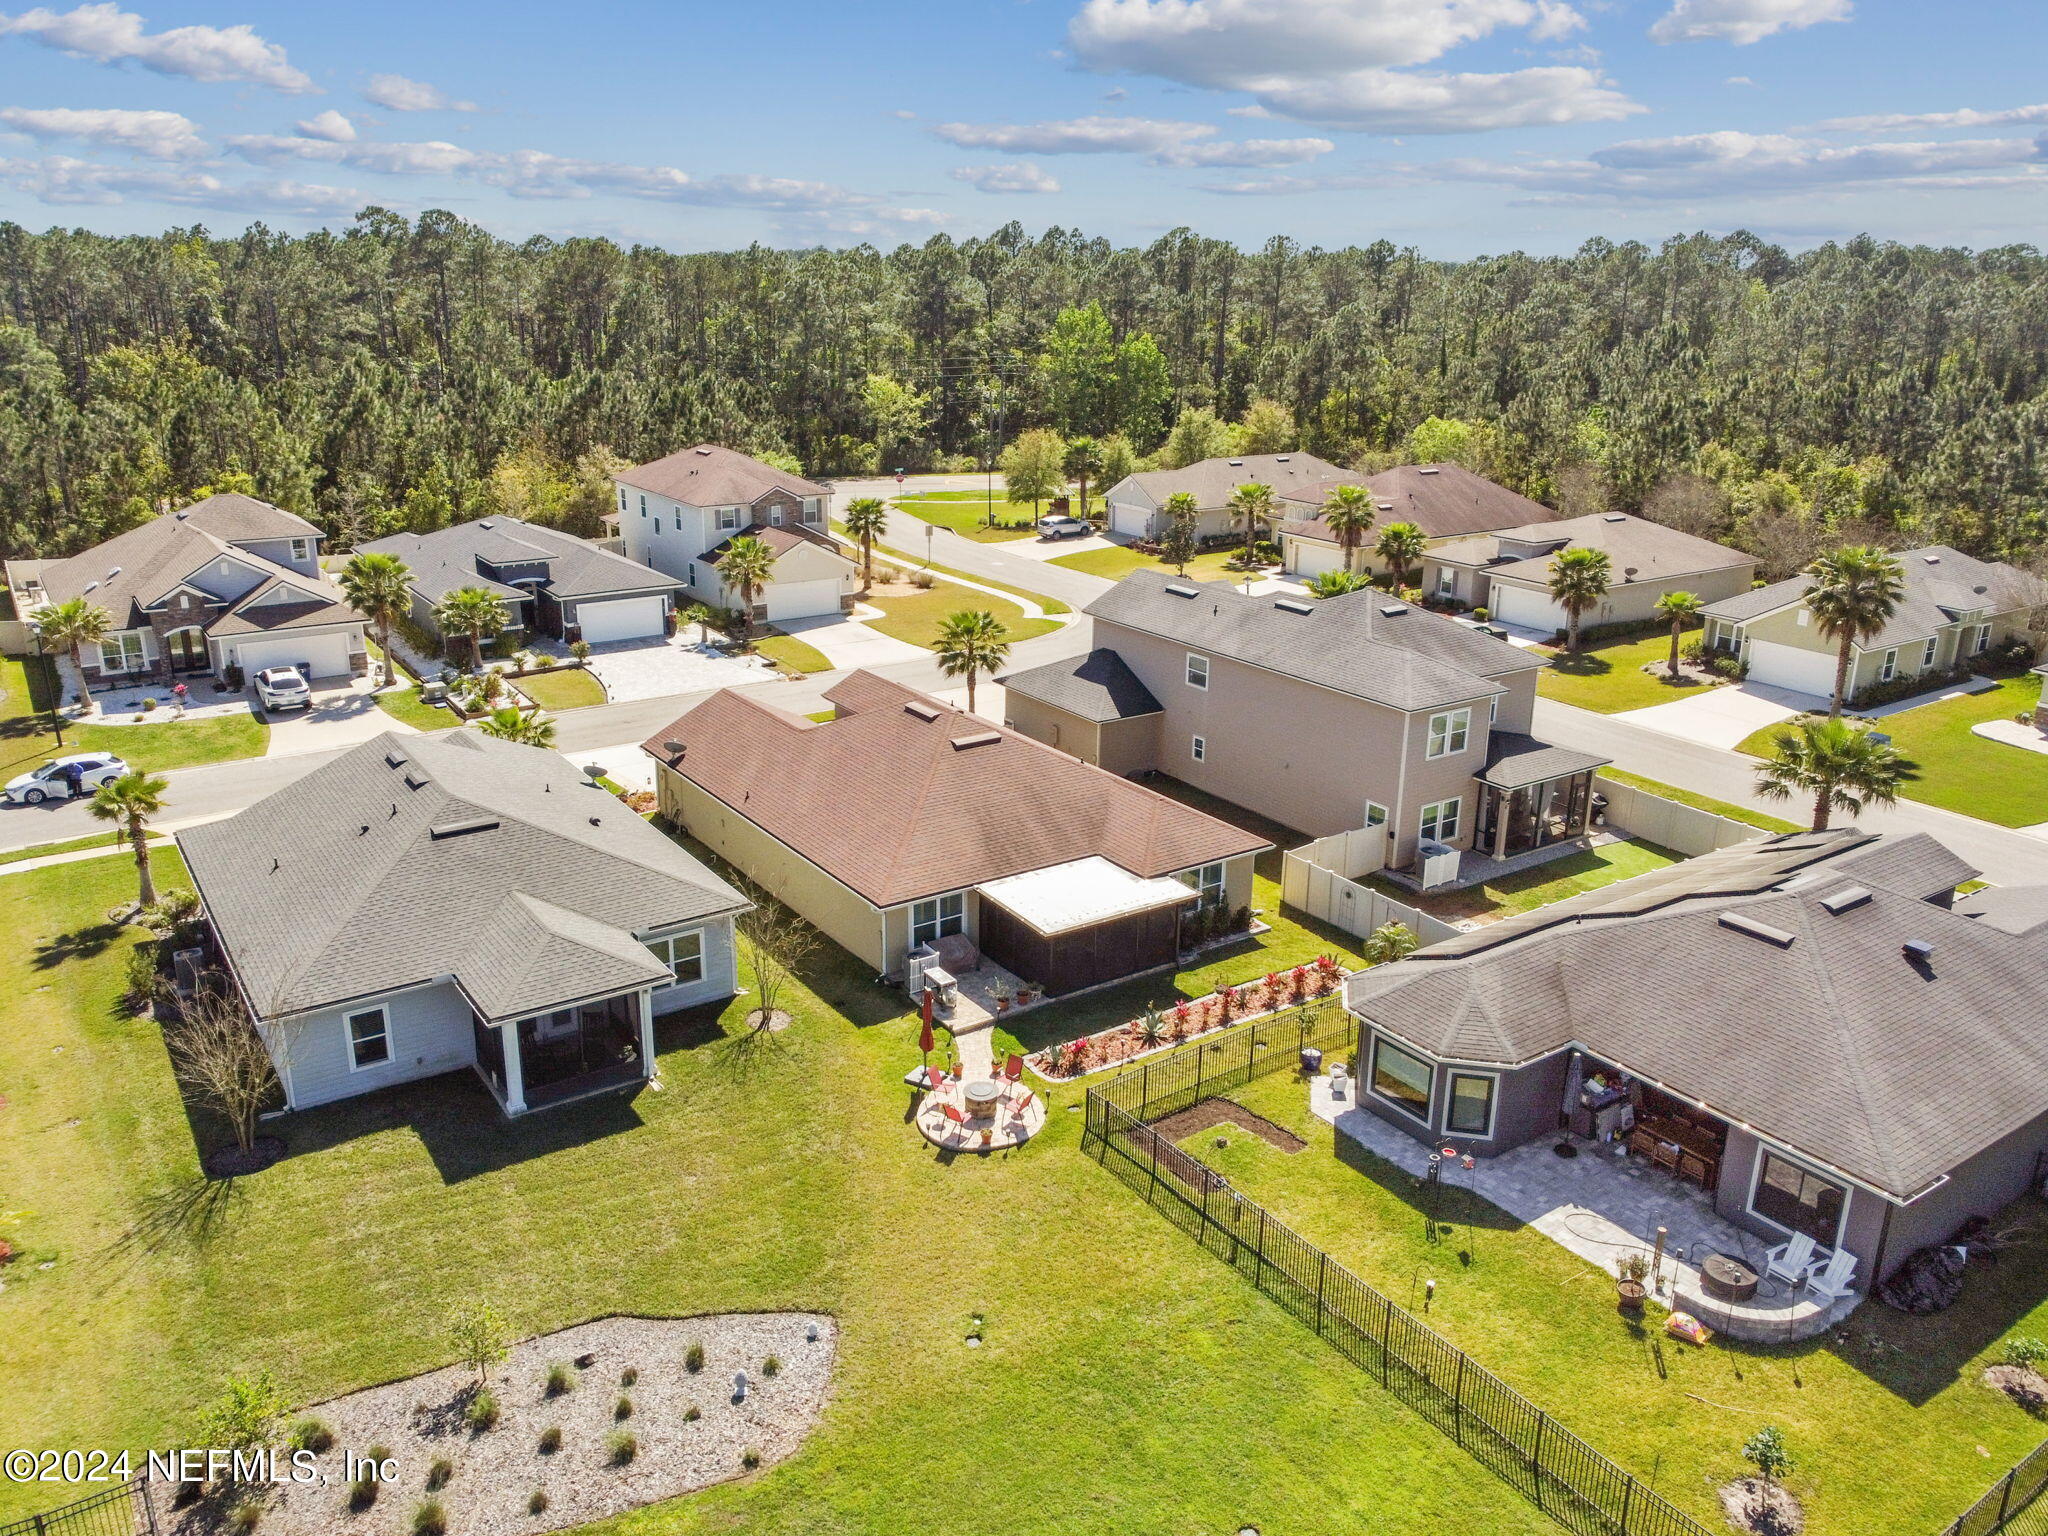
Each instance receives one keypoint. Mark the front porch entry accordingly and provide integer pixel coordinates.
(566, 1053)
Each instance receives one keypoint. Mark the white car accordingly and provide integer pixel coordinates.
(1057, 527)
(282, 688)
(50, 782)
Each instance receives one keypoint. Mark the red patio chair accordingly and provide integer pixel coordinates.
(1013, 1069)
(1025, 1103)
(955, 1116)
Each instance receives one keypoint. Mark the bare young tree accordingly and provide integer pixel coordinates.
(222, 1061)
(1690, 503)
(774, 942)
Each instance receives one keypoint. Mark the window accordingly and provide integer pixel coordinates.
(1890, 667)
(1207, 881)
(728, 519)
(1493, 709)
(1402, 1078)
(1446, 581)
(682, 953)
(1983, 640)
(1805, 617)
(938, 918)
(643, 506)
(121, 653)
(1470, 1109)
(1375, 814)
(1198, 671)
(1927, 656)
(1799, 1199)
(775, 517)
(1440, 821)
(1448, 732)
(1199, 750)
(690, 573)
(302, 549)
(369, 1039)
(810, 511)
(622, 498)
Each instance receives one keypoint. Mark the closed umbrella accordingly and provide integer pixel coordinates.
(924, 1036)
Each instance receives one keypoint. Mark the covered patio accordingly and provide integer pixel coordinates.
(566, 1053)
(1078, 924)
(1532, 796)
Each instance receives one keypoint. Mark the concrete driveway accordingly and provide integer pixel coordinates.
(1052, 549)
(343, 713)
(654, 668)
(846, 642)
(1722, 717)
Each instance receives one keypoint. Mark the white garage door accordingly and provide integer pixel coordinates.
(1787, 666)
(1132, 519)
(1305, 557)
(1531, 610)
(623, 618)
(802, 599)
(326, 654)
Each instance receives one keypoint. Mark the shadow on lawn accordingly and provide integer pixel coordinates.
(189, 1214)
(78, 944)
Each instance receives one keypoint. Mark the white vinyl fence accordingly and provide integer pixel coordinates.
(1681, 828)
(1322, 878)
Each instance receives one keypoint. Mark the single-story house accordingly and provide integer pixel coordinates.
(903, 821)
(1859, 1058)
(552, 582)
(1508, 573)
(1136, 504)
(1446, 501)
(229, 585)
(426, 903)
(1955, 607)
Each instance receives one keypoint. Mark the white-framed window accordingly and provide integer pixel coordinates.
(1889, 668)
(938, 918)
(1792, 1196)
(1440, 820)
(1198, 671)
(1446, 581)
(1449, 732)
(643, 506)
(1198, 749)
(1207, 881)
(1927, 655)
(1805, 616)
(302, 549)
(1983, 640)
(1375, 814)
(1493, 710)
(1468, 1106)
(810, 513)
(682, 953)
(121, 653)
(728, 519)
(775, 517)
(690, 569)
(369, 1039)
(622, 498)
(1402, 1078)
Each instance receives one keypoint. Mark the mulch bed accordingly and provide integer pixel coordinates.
(2022, 1383)
(233, 1162)
(1214, 1112)
(1762, 1508)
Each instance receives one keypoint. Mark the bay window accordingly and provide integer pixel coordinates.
(1402, 1078)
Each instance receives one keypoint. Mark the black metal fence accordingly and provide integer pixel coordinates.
(1565, 1477)
(119, 1509)
(2014, 1506)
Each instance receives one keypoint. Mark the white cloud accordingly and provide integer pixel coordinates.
(1249, 109)
(328, 125)
(396, 93)
(106, 33)
(159, 135)
(1075, 135)
(1023, 177)
(1245, 152)
(428, 158)
(1392, 101)
(1742, 22)
(1739, 80)
(60, 179)
(1965, 117)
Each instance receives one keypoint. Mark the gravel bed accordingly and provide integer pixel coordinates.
(496, 1472)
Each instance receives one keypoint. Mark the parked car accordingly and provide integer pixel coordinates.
(50, 782)
(1063, 528)
(283, 688)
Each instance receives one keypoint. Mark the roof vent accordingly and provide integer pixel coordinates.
(486, 523)
(1612, 517)
(1283, 458)
(1392, 610)
(922, 711)
(90, 585)
(1384, 506)
(181, 516)
(1293, 605)
(703, 453)
(1425, 471)
(1932, 559)
(1757, 930)
(595, 821)
(1238, 463)
(117, 571)
(1919, 951)
(1176, 589)
(462, 828)
(1847, 899)
(417, 781)
(394, 759)
(978, 739)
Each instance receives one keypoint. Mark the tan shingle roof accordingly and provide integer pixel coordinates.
(1213, 481)
(707, 475)
(1650, 551)
(1446, 501)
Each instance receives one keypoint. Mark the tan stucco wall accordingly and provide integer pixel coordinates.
(1636, 601)
(1866, 666)
(1055, 727)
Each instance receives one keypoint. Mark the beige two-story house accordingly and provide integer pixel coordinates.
(1955, 607)
(1356, 711)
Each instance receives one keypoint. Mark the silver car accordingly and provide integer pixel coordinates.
(283, 688)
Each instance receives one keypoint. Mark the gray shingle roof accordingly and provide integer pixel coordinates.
(1213, 481)
(2008, 908)
(706, 475)
(1633, 544)
(1514, 761)
(1446, 501)
(1940, 582)
(1357, 643)
(1097, 686)
(336, 887)
(446, 559)
(1836, 1044)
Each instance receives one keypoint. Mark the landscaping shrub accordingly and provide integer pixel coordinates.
(580, 649)
(1905, 687)
(692, 1414)
(750, 1458)
(693, 1361)
(439, 1473)
(2006, 659)
(772, 1366)
(924, 581)
(551, 1440)
(309, 1434)
(628, 1376)
(2025, 1352)
(622, 1409)
(622, 1446)
(537, 1502)
(560, 1379)
(245, 1516)
(482, 1411)
(430, 1519)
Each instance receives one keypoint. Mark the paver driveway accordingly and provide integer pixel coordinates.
(651, 669)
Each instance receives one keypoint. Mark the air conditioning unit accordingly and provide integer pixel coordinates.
(1436, 863)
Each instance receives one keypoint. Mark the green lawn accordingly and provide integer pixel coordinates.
(25, 738)
(564, 688)
(1888, 1423)
(108, 840)
(792, 655)
(404, 704)
(1128, 1383)
(1537, 887)
(1607, 677)
(1117, 562)
(967, 514)
(916, 616)
(1741, 813)
(1960, 771)
(912, 561)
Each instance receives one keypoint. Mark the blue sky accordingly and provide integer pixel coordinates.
(1459, 126)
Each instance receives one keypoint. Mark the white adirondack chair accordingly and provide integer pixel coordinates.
(1791, 1261)
(1832, 1280)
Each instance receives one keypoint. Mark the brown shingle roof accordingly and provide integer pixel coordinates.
(884, 801)
(1638, 549)
(1446, 501)
(782, 539)
(707, 475)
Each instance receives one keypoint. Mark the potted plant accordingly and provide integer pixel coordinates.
(1000, 991)
(1631, 1272)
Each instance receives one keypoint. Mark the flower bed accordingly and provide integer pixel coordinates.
(1159, 1029)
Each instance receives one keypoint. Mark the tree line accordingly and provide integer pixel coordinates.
(412, 373)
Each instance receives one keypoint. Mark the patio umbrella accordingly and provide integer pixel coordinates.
(924, 1036)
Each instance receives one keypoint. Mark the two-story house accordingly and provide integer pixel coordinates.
(1355, 711)
(1137, 503)
(229, 585)
(1955, 607)
(681, 513)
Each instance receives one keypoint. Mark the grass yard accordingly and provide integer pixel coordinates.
(1117, 562)
(913, 562)
(916, 616)
(1608, 676)
(25, 738)
(791, 655)
(1890, 1428)
(1741, 813)
(104, 840)
(1127, 1383)
(967, 514)
(1537, 887)
(1959, 771)
(564, 688)
(405, 704)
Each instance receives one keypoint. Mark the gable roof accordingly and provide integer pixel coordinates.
(779, 537)
(1213, 480)
(1637, 549)
(1098, 686)
(446, 559)
(706, 475)
(1446, 501)
(1825, 1037)
(902, 797)
(1363, 643)
(238, 518)
(395, 863)
(1940, 582)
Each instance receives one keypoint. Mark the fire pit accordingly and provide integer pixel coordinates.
(1727, 1278)
(982, 1098)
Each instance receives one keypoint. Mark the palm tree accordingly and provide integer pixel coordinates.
(1578, 580)
(1254, 503)
(1178, 547)
(1082, 460)
(530, 728)
(1348, 512)
(1841, 767)
(971, 642)
(748, 564)
(379, 587)
(1680, 609)
(1400, 545)
(1337, 583)
(1854, 593)
(131, 800)
(476, 613)
(64, 628)
(867, 519)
